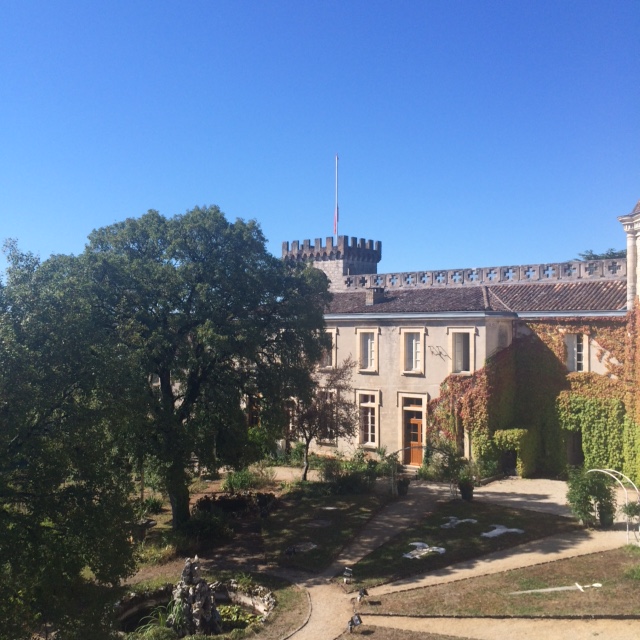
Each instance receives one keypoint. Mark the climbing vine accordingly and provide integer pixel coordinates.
(525, 400)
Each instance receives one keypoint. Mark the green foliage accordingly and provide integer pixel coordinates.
(152, 505)
(591, 497)
(631, 510)
(205, 529)
(327, 414)
(65, 487)
(349, 476)
(208, 318)
(442, 462)
(521, 441)
(631, 448)
(609, 254)
(242, 480)
(235, 617)
(601, 422)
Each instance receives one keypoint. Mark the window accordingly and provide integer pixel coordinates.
(577, 346)
(367, 404)
(461, 361)
(412, 350)
(367, 350)
(328, 417)
(462, 345)
(328, 360)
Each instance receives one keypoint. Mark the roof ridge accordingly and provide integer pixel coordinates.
(485, 298)
(506, 306)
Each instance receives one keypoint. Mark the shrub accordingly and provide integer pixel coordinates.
(206, 528)
(263, 473)
(591, 497)
(152, 505)
(242, 480)
(330, 469)
(442, 462)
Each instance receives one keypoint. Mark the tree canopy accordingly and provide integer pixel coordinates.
(609, 254)
(329, 413)
(64, 487)
(150, 345)
(210, 319)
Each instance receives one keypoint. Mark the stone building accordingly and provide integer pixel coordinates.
(411, 332)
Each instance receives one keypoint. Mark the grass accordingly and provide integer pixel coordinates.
(618, 571)
(293, 523)
(463, 542)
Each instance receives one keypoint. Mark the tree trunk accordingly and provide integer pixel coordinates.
(178, 490)
(305, 460)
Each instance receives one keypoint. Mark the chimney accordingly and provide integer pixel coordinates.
(374, 295)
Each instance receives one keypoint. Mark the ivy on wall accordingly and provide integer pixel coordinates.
(525, 400)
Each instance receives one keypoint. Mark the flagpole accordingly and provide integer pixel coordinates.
(336, 215)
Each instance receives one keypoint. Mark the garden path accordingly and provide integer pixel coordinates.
(330, 607)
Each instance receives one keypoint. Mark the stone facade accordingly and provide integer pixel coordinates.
(409, 331)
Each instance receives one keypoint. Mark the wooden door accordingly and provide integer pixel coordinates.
(413, 439)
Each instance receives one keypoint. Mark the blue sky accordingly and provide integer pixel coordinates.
(470, 133)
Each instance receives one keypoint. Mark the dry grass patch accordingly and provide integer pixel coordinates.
(618, 571)
(463, 542)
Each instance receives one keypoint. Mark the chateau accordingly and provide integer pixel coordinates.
(488, 355)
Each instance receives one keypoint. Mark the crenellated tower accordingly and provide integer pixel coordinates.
(346, 257)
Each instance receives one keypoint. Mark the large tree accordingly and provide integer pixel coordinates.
(212, 321)
(64, 488)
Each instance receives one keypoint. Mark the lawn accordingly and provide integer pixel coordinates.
(463, 542)
(307, 515)
(618, 571)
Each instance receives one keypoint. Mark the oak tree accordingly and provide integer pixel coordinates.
(210, 319)
(64, 486)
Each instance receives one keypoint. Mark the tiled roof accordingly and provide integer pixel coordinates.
(605, 295)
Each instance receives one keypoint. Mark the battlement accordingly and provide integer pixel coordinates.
(554, 272)
(345, 247)
(343, 257)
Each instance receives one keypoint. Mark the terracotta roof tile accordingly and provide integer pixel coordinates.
(606, 295)
(412, 301)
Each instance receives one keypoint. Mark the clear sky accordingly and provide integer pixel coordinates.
(470, 132)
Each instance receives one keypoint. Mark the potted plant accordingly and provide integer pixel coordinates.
(631, 510)
(403, 486)
(466, 484)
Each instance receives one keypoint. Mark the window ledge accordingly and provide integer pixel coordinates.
(413, 373)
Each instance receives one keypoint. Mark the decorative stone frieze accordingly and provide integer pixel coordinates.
(552, 272)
